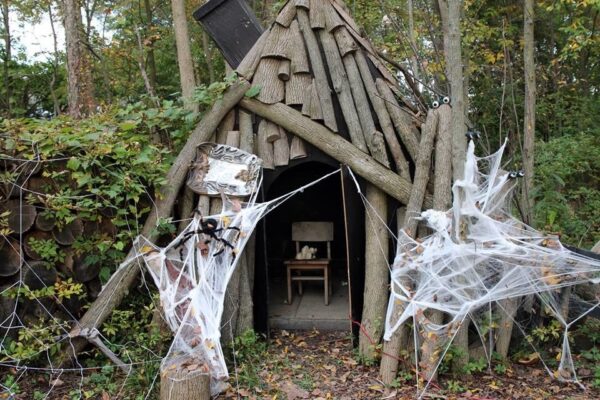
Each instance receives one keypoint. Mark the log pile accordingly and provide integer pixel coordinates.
(40, 249)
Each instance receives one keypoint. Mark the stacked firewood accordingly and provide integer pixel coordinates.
(38, 247)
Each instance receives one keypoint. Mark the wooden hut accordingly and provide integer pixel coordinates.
(325, 98)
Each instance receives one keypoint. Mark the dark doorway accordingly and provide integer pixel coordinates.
(321, 202)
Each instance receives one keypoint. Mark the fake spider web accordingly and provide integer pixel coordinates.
(480, 255)
(192, 273)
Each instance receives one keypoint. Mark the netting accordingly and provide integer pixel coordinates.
(479, 255)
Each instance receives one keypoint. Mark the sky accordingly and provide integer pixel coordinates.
(36, 39)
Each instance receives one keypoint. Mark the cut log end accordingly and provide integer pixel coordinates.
(184, 385)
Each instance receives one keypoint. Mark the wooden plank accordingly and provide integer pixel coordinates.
(318, 69)
(233, 139)
(307, 231)
(265, 148)
(281, 149)
(317, 14)
(385, 121)
(297, 149)
(361, 100)
(341, 85)
(283, 73)
(332, 18)
(315, 112)
(287, 14)
(295, 89)
(345, 42)
(248, 65)
(246, 132)
(272, 89)
(278, 43)
(298, 51)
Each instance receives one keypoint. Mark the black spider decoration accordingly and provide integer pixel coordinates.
(209, 227)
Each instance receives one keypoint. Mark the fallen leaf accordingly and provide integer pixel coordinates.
(293, 391)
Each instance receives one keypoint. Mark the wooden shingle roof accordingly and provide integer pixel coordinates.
(314, 57)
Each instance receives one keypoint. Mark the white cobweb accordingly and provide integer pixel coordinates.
(478, 255)
(192, 273)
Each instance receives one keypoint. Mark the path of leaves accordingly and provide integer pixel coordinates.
(322, 365)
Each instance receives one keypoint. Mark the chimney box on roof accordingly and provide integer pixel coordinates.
(232, 25)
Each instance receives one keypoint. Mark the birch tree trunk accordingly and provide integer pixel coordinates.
(529, 116)
(79, 72)
(184, 54)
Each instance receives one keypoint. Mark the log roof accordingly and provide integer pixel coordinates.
(314, 58)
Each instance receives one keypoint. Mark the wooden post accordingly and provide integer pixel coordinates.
(376, 273)
(442, 201)
(177, 385)
(389, 365)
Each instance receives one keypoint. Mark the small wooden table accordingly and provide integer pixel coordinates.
(319, 265)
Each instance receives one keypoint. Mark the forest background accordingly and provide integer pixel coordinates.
(118, 99)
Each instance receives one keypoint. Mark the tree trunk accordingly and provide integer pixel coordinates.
(529, 116)
(150, 60)
(79, 72)
(442, 201)
(184, 54)
(389, 364)
(450, 11)
(7, 57)
(376, 273)
(116, 289)
(56, 105)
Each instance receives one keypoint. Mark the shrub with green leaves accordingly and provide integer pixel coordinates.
(568, 187)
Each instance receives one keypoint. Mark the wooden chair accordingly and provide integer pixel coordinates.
(320, 267)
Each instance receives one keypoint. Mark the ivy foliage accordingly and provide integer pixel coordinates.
(107, 167)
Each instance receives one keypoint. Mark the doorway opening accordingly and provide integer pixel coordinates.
(322, 202)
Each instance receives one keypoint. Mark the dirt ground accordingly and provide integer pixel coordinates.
(322, 365)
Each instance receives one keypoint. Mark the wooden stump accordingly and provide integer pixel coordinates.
(37, 236)
(84, 270)
(68, 233)
(11, 257)
(37, 275)
(22, 216)
(45, 222)
(178, 385)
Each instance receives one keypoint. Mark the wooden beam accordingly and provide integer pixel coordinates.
(117, 287)
(318, 67)
(335, 146)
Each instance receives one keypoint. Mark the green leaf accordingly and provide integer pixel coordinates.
(128, 125)
(73, 164)
(253, 91)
